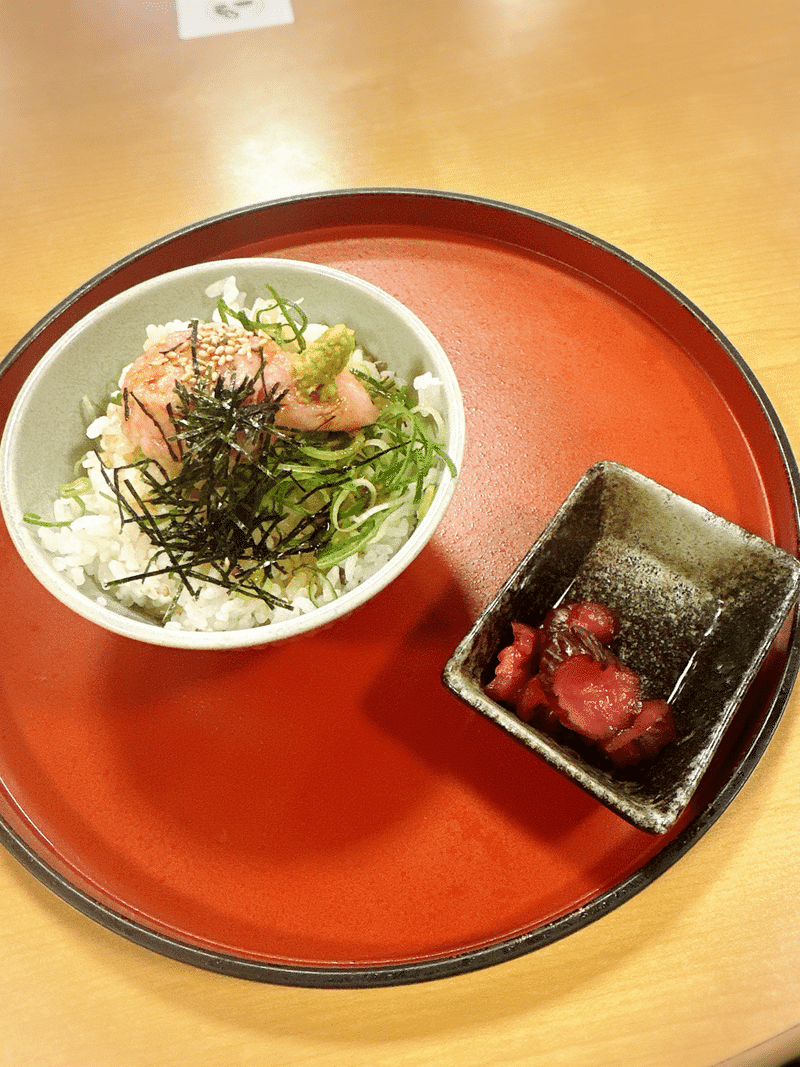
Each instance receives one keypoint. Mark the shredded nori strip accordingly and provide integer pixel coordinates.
(252, 498)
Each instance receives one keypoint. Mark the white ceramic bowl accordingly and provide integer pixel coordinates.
(45, 432)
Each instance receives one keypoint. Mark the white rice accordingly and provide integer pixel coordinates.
(95, 549)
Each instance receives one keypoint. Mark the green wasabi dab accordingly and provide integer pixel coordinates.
(316, 367)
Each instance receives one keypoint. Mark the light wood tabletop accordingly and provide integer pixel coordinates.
(671, 131)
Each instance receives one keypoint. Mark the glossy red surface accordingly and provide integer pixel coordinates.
(328, 802)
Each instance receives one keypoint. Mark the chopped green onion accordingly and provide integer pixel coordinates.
(254, 502)
(290, 311)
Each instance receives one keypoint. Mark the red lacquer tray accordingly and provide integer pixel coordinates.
(325, 813)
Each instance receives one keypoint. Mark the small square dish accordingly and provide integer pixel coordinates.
(700, 601)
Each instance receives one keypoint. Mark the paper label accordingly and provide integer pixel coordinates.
(205, 18)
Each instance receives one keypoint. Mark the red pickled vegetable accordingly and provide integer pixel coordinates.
(516, 663)
(653, 727)
(596, 618)
(595, 699)
(562, 643)
(526, 638)
(564, 675)
(532, 701)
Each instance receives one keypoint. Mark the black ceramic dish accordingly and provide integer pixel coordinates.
(700, 599)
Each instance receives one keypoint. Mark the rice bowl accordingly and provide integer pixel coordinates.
(77, 561)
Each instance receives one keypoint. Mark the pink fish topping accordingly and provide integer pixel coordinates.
(227, 350)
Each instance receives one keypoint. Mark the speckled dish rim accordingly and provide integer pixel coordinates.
(481, 218)
(655, 814)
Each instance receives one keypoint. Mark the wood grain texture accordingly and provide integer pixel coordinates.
(671, 130)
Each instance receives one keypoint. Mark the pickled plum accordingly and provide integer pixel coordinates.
(565, 675)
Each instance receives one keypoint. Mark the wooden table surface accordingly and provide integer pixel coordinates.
(671, 130)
